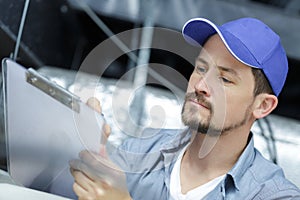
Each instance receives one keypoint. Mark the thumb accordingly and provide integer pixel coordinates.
(106, 130)
(94, 103)
(102, 151)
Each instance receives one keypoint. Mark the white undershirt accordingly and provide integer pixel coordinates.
(194, 194)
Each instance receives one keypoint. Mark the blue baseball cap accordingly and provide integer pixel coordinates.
(249, 40)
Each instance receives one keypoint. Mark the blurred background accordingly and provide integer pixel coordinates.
(59, 34)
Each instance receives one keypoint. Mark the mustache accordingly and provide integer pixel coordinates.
(199, 98)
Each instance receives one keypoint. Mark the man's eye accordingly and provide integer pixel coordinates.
(225, 80)
(200, 69)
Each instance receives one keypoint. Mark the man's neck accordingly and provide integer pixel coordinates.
(208, 157)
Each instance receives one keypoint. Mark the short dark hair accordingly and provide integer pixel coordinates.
(262, 85)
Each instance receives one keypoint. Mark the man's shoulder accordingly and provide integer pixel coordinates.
(263, 169)
(269, 180)
(277, 188)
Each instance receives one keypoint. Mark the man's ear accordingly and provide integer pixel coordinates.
(264, 104)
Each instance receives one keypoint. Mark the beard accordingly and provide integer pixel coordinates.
(191, 117)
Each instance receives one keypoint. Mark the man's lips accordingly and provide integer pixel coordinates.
(199, 103)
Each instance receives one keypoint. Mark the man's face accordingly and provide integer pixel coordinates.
(220, 91)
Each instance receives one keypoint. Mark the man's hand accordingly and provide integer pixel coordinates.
(95, 176)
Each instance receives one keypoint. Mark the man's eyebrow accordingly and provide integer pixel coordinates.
(221, 68)
(229, 70)
(202, 60)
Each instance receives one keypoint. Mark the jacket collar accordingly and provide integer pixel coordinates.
(243, 163)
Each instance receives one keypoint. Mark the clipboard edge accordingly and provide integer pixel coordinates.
(4, 83)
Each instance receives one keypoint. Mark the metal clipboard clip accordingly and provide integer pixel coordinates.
(53, 90)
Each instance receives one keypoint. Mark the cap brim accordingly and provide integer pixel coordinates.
(197, 30)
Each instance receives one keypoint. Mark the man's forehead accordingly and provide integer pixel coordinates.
(209, 56)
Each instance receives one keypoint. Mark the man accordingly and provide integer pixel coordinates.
(238, 75)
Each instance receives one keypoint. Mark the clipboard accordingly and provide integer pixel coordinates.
(45, 127)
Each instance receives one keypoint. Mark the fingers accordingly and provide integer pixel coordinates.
(88, 157)
(76, 165)
(100, 191)
(79, 166)
(97, 180)
(80, 192)
(95, 104)
(102, 152)
(86, 188)
(106, 130)
(90, 167)
(97, 161)
(97, 168)
(83, 182)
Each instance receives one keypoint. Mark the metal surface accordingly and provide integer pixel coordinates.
(54, 90)
(174, 13)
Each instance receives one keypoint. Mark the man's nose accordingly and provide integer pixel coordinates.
(202, 85)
